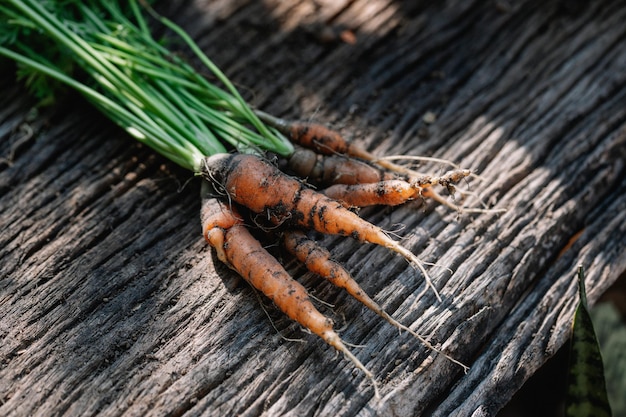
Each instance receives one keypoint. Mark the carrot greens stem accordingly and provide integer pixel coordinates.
(106, 51)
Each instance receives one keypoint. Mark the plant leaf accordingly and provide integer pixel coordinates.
(586, 391)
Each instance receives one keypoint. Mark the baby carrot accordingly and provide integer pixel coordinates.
(261, 187)
(334, 169)
(393, 192)
(326, 141)
(225, 231)
(317, 260)
(389, 193)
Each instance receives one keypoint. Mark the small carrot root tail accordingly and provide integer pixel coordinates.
(435, 196)
(333, 339)
(425, 342)
(412, 173)
(414, 261)
(317, 260)
(237, 248)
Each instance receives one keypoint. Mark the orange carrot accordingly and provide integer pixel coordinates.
(327, 142)
(389, 193)
(216, 219)
(315, 136)
(317, 260)
(324, 140)
(334, 169)
(393, 192)
(225, 231)
(261, 187)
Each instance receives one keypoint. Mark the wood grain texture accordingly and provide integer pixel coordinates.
(111, 304)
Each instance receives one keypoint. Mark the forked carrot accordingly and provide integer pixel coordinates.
(216, 218)
(317, 260)
(226, 232)
(262, 188)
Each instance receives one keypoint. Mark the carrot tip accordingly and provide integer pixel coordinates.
(415, 262)
(335, 341)
(425, 342)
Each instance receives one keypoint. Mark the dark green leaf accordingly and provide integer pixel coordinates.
(586, 391)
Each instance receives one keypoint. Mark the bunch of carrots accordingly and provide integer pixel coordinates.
(106, 51)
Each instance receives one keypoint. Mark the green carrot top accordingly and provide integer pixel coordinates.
(105, 50)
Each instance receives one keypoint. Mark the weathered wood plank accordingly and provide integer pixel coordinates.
(111, 304)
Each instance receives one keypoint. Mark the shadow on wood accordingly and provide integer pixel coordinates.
(110, 302)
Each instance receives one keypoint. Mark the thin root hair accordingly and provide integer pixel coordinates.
(285, 338)
(354, 345)
(427, 159)
(319, 300)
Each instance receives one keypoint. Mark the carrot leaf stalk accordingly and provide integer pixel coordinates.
(120, 68)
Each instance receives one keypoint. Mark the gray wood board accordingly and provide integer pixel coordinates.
(112, 304)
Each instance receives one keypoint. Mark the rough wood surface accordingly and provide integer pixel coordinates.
(111, 303)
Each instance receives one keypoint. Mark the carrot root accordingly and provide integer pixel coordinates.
(335, 341)
(414, 261)
(334, 169)
(395, 192)
(317, 260)
(254, 183)
(279, 200)
(315, 136)
(328, 142)
(237, 248)
(388, 193)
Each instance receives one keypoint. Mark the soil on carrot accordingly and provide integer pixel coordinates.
(287, 207)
